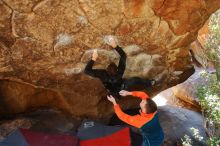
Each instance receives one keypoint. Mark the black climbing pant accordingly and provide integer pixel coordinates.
(136, 83)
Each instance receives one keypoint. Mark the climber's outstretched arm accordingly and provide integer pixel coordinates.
(122, 61)
(99, 73)
(139, 94)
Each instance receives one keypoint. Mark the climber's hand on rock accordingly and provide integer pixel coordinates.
(112, 42)
(95, 55)
(111, 99)
(124, 93)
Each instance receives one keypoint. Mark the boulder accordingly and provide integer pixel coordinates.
(45, 44)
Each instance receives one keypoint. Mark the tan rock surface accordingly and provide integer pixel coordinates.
(45, 44)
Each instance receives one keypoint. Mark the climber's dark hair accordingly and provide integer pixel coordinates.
(150, 106)
(112, 68)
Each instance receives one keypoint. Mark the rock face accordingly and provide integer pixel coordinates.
(43, 120)
(187, 90)
(10, 126)
(177, 122)
(45, 44)
(198, 47)
(183, 99)
(18, 97)
(184, 95)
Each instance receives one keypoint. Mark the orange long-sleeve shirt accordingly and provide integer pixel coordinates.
(137, 120)
(140, 94)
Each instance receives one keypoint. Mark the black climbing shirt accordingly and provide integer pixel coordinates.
(112, 83)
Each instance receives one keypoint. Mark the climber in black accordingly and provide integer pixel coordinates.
(112, 76)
